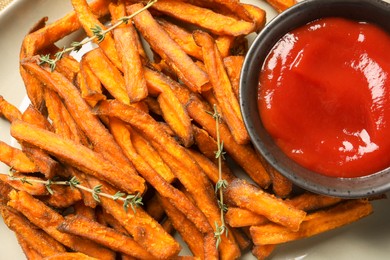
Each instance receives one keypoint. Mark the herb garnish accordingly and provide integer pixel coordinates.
(98, 34)
(129, 200)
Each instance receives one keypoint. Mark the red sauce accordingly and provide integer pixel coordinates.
(324, 96)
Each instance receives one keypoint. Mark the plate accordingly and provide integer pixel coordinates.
(366, 239)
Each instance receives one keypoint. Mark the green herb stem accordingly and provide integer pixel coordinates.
(98, 34)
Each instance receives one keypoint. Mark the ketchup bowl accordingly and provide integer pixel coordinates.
(269, 146)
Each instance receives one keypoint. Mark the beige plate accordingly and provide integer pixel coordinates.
(367, 239)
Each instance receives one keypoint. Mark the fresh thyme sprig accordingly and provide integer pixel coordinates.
(129, 200)
(98, 33)
(221, 184)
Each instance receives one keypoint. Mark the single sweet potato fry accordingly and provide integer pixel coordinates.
(168, 49)
(33, 116)
(216, 23)
(309, 201)
(281, 186)
(108, 237)
(77, 155)
(126, 43)
(233, 66)
(48, 220)
(33, 188)
(262, 252)
(16, 158)
(70, 256)
(315, 223)
(238, 217)
(281, 5)
(42, 242)
(245, 195)
(9, 111)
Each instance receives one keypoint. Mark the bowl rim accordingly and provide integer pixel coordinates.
(304, 12)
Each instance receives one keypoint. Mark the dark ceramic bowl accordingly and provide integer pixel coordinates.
(373, 11)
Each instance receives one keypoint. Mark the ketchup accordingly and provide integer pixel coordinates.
(324, 97)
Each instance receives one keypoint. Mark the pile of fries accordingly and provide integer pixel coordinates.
(118, 149)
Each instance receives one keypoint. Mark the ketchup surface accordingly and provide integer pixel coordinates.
(324, 96)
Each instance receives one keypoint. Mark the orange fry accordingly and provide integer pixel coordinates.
(281, 186)
(238, 217)
(33, 188)
(70, 256)
(281, 5)
(9, 111)
(233, 66)
(262, 252)
(309, 201)
(231, 7)
(16, 158)
(216, 23)
(105, 236)
(126, 43)
(168, 49)
(245, 195)
(316, 223)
